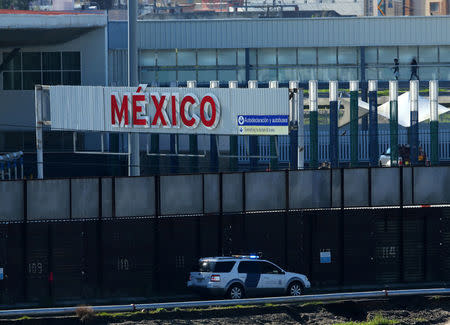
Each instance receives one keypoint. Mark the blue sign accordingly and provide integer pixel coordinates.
(263, 120)
(325, 257)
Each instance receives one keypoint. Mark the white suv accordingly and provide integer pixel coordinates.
(239, 276)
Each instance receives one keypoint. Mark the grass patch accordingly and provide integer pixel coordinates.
(377, 320)
(24, 318)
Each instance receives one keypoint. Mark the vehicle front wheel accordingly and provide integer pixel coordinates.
(235, 292)
(295, 289)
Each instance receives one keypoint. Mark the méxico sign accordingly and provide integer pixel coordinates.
(221, 111)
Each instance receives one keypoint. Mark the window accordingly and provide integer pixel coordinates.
(268, 268)
(249, 267)
(434, 6)
(27, 69)
(219, 267)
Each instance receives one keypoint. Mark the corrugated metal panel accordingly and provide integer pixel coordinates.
(76, 108)
(88, 108)
(259, 33)
(118, 68)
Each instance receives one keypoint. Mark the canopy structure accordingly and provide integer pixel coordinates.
(384, 110)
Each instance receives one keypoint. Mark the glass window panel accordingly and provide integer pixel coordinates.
(147, 58)
(327, 74)
(52, 78)
(371, 74)
(15, 63)
(226, 57)
(307, 56)
(347, 74)
(241, 56)
(31, 61)
(185, 75)
(167, 76)
(267, 74)
(444, 53)
(387, 54)
(385, 74)
(327, 55)
(241, 75)
(428, 54)
(407, 53)
(227, 75)
(429, 73)
(405, 73)
(252, 56)
(287, 56)
(71, 78)
(30, 79)
(347, 55)
(206, 75)
(267, 56)
(287, 74)
(12, 80)
(166, 58)
(306, 74)
(252, 74)
(444, 73)
(71, 60)
(206, 57)
(51, 60)
(186, 57)
(147, 76)
(370, 54)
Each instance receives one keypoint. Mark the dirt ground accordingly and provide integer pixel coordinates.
(421, 310)
(413, 310)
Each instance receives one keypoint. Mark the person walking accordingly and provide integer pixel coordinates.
(414, 69)
(396, 69)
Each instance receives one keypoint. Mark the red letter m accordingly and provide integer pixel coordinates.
(115, 112)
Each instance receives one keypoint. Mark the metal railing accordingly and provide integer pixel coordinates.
(213, 303)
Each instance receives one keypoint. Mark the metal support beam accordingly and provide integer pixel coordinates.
(39, 138)
(294, 127)
(133, 80)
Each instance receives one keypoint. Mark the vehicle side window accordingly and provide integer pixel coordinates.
(223, 267)
(268, 268)
(249, 267)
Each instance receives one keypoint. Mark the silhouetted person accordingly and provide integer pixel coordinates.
(414, 69)
(396, 69)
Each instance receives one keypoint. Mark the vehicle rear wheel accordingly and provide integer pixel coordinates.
(235, 292)
(295, 289)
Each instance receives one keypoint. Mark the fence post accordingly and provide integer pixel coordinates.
(156, 269)
(253, 139)
(414, 128)
(373, 125)
(100, 237)
(25, 239)
(233, 139)
(273, 139)
(313, 125)
(354, 123)
(214, 155)
(393, 121)
(434, 122)
(334, 110)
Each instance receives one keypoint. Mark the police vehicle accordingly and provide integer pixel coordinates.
(244, 275)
